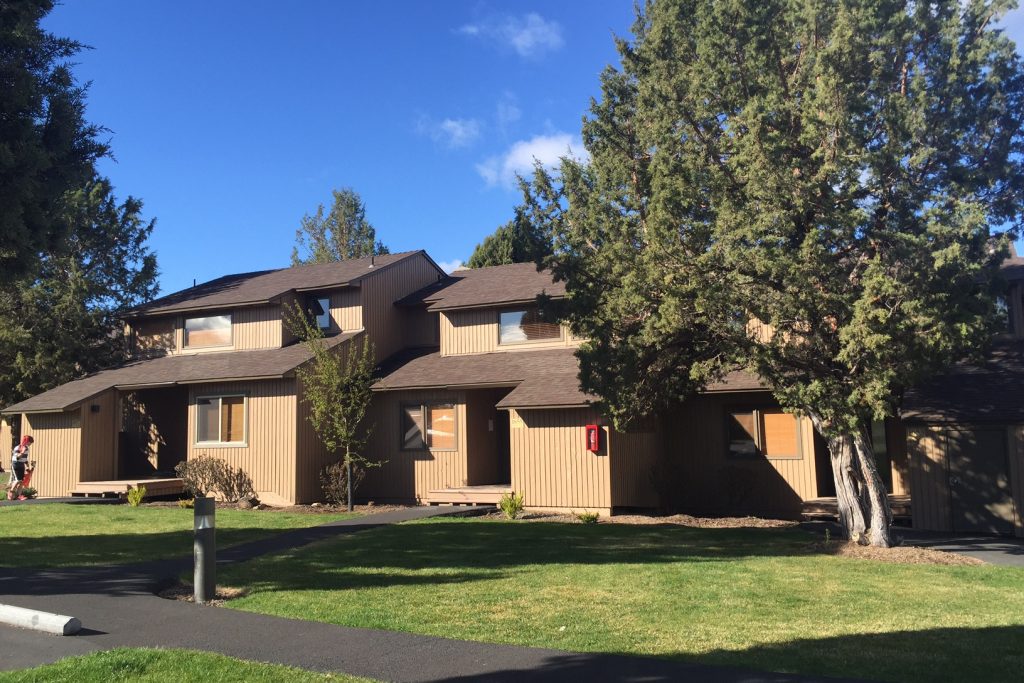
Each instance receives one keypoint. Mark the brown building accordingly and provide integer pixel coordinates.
(478, 395)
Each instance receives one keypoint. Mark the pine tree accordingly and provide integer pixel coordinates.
(807, 190)
(342, 233)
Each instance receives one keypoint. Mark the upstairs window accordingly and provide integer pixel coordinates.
(214, 330)
(517, 327)
(766, 432)
(429, 426)
(319, 309)
(220, 420)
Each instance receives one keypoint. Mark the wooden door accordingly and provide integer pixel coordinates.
(979, 483)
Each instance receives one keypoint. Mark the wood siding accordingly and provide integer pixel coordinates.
(381, 318)
(155, 426)
(407, 476)
(57, 450)
(99, 437)
(476, 331)
(421, 327)
(256, 328)
(634, 461)
(1017, 477)
(698, 474)
(347, 309)
(268, 455)
(551, 467)
(154, 337)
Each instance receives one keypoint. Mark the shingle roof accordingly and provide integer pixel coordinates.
(266, 285)
(185, 369)
(491, 286)
(1013, 268)
(991, 391)
(737, 380)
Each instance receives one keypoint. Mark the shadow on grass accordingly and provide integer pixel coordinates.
(946, 654)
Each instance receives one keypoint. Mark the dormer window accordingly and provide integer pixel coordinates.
(213, 330)
(528, 325)
(319, 309)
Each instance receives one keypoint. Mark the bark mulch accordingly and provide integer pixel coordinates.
(901, 554)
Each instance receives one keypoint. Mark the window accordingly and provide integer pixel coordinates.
(214, 330)
(319, 308)
(516, 327)
(1004, 313)
(768, 432)
(220, 419)
(429, 426)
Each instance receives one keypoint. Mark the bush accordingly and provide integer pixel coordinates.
(334, 482)
(186, 503)
(588, 517)
(28, 492)
(511, 505)
(206, 475)
(136, 495)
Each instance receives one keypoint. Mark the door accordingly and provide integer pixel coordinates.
(501, 433)
(979, 485)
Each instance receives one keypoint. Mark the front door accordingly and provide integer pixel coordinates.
(978, 482)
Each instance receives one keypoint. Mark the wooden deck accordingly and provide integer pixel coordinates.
(119, 488)
(488, 494)
(825, 508)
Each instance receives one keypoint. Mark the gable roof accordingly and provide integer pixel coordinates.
(264, 286)
(182, 369)
(515, 283)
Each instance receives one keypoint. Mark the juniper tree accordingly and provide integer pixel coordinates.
(810, 190)
(335, 235)
(524, 239)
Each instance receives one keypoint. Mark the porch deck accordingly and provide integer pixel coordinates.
(488, 494)
(118, 488)
(819, 508)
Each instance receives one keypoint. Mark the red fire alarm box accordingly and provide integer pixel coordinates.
(593, 438)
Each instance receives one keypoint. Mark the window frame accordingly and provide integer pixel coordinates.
(424, 407)
(757, 412)
(231, 332)
(527, 342)
(244, 443)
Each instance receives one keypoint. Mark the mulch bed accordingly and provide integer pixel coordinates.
(184, 593)
(901, 554)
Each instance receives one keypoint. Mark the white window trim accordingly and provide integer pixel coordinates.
(184, 333)
(244, 443)
(528, 342)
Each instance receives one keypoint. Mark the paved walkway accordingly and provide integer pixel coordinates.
(1002, 550)
(118, 609)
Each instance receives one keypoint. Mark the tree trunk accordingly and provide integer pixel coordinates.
(348, 479)
(877, 497)
(846, 475)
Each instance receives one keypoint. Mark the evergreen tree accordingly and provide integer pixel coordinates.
(524, 239)
(335, 235)
(46, 147)
(65, 322)
(803, 189)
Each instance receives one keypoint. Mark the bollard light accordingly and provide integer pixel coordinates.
(205, 549)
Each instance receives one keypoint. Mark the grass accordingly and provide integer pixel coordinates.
(61, 535)
(140, 665)
(756, 598)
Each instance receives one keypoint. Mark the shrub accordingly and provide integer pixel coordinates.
(205, 475)
(588, 517)
(136, 495)
(334, 482)
(28, 492)
(511, 505)
(186, 503)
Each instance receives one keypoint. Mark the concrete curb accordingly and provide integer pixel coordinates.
(56, 624)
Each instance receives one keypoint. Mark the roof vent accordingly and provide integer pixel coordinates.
(371, 260)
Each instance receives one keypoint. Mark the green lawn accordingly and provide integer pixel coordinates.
(758, 598)
(160, 666)
(71, 535)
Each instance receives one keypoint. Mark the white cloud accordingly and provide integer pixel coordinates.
(520, 157)
(449, 266)
(530, 35)
(453, 133)
(508, 111)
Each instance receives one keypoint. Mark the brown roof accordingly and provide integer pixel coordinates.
(182, 369)
(990, 391)
(1013, 268)
(492, 286)
(541, 378)
(266, 285)
(737, 380)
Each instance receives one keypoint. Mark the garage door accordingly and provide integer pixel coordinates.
(978, 481)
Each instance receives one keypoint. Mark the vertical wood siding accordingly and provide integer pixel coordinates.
(698, 474)
(346, 310)
(99, 437)
(381, 318)
(57, 450)
(6, 438)
(256, 328)
(476, 331)
(896, 443)
(153, 337)
(634, 457)
(420, 327)
(269, 454)
(155, 423)
(1017, 477)
(929, 478)
(408, 475)
(550, 464)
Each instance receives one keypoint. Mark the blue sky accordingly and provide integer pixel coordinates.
(231, 119)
